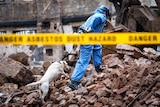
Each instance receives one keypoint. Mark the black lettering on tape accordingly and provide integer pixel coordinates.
(58, 39)
(10, 39)
(20, 39)
(28, 39)
(102, 38)
(46, 39)
(75, 38)
(35, 39)
(142, 38)
(1, 39)
(155, 38)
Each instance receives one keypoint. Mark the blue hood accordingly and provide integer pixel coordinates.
(98, 10)
(96, 22)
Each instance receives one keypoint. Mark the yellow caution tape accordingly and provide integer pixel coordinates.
(86, 38)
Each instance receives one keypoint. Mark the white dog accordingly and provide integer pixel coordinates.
(53, 72)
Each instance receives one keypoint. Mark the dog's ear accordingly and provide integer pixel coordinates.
(63, 62)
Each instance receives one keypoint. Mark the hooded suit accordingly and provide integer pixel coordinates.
(94, 24)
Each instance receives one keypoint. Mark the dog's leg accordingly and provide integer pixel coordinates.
(44, 89)
(40, 91)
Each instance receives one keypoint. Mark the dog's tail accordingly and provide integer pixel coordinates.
(34, 83)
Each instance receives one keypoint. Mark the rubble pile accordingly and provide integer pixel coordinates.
(131, 79)
(14, 72)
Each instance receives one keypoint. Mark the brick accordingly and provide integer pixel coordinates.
(103, 100)
(97, 104)
(73, 105)
(122, 90)
(131, 97)
(91, 87)
(91, 99)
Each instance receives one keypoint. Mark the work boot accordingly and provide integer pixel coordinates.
(99, 68)
(73, 85)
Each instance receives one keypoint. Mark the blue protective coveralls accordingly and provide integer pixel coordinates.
(158, 48)
(95, 23)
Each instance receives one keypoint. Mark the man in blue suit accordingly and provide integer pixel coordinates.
(94, 24)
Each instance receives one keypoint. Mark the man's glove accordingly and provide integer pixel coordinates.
(85, 30)
(109, 16)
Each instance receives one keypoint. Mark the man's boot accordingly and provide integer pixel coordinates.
(99, 68)
(73, 85)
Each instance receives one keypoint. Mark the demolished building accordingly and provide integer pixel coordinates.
(43, 16)
(131, 77)
(50, 16)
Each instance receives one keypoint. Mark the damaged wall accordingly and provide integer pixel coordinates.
(13, 10)
(45, 16)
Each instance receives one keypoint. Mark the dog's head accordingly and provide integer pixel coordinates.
(65, 65)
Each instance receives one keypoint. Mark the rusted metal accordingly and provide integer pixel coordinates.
(144, 92)
(147, 17)
(137, 17)
(158, 3)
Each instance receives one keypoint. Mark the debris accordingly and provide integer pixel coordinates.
(20, 57)
(129, 50)
(132, 81)
(13, 71)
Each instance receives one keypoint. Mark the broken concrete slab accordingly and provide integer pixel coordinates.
(129, 50)
(20, 57)
(131, 84)
(15, 72)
